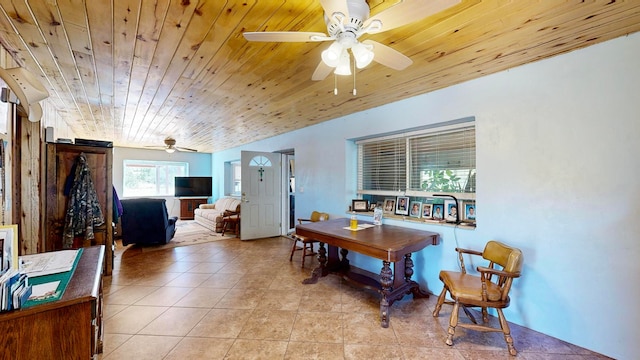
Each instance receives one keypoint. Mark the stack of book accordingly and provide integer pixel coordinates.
(14, 285)
(14, 290)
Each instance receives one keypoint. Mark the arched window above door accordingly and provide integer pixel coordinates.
(260, 161)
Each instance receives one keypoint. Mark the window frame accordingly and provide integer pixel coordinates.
(407, 137)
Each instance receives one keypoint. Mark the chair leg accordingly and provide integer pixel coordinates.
(453, 321)
(507, 332)
(436, 312)
(293, 249)
(304, 253)
(485, 315)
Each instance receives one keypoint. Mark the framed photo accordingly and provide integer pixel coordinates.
(377, 215)
(450, 210)
(426, 211)
(469, 210)
(437, 211)
(402, 205)
(372, 206)
(9, 247)
(359, 205)
(415, 210)
(389, 206)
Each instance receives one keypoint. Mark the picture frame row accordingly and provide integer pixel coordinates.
(402, 205)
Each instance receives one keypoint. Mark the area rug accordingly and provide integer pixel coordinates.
(188, 232)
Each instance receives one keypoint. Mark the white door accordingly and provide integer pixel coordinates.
(261, 195)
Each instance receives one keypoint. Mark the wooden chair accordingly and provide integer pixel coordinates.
(307, 243)
(488, 290)
(231, 220)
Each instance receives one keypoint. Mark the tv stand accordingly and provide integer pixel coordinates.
(187, 205)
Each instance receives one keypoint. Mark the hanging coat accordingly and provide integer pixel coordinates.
(83, 208)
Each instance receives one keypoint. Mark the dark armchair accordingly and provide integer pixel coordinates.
(146, 221)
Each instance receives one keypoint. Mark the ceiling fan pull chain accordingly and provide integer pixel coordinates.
(354, 77)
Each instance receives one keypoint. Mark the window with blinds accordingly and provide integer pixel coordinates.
(383, 165)
(433, 160)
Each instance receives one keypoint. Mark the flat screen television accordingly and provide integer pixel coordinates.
(193, 186)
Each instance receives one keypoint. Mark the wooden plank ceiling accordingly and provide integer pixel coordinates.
(136, 71)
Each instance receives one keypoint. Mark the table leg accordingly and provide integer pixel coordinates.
(321, 270)
(386, 280)
(344, 262)
(408, 273)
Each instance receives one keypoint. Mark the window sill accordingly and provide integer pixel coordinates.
(464, 224)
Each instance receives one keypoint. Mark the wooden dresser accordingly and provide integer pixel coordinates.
(188, 205)
(69, 328)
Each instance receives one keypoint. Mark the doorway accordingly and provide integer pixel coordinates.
(287, 220)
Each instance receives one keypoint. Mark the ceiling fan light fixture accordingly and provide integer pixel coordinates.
(344, 64)
(170, 149)
(363, 54)
(331, 56)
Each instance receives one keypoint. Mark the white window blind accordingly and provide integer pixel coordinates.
(382, 165)
(434, 160)
(444, 161)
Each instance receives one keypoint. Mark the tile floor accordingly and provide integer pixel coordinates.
(233, 299)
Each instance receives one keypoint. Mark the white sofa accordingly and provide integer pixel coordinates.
(210, 215)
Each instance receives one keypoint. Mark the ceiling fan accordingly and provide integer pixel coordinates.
(170, 146)
(346, 21)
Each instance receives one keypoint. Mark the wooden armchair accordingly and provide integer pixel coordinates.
(231, 220)
(488, 290)
(306, 243)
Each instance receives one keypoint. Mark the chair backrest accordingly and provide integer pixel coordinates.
(319, 216)
(509, 258)
(506, 256)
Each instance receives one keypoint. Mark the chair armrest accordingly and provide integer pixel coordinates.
(485, 270)
(230, 212)
(461, 260)
(301, 220)
(207, 206)
(469, 251)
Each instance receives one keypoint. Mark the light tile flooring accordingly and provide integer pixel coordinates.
(233, 299)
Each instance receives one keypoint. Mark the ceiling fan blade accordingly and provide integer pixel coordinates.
(388, 57)
(322, 71)
(180, 148)
(333, 6)
(285, 36)
(406, 12)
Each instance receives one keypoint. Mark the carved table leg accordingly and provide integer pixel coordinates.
(344, 262)
(408, 267)
(408, 273)
(321, 269)
(386, 280)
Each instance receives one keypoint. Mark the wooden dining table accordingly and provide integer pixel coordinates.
(391, 244)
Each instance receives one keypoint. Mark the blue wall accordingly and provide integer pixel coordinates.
(558, 169)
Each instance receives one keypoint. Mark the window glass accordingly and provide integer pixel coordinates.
(237, 177)
(151, 178)
(233, 178)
